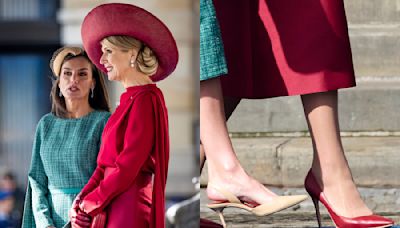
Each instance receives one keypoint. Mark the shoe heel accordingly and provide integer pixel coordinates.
(316, 205)
(221, 215)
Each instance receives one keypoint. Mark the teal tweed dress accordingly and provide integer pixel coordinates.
(212, 58)
(64, 157)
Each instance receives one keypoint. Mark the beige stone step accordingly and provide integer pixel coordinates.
(372, 11)
(371, 106)
(284, 161)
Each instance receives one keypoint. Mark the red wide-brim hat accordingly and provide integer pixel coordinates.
(129, 20)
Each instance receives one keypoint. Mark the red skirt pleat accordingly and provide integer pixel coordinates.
(132, 208)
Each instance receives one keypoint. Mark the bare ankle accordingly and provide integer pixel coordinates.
(228, 173)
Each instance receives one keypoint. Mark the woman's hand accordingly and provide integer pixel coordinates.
(77, 201)
(83, 204)
(79, 219)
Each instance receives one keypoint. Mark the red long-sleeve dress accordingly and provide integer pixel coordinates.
(135, 145)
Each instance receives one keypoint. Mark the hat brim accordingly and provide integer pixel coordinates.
(129, 20)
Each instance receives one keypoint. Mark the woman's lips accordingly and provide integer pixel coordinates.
(73, 88)
(108, 68)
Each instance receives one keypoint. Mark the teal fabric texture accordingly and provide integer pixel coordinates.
(64, 156)
(212, 58)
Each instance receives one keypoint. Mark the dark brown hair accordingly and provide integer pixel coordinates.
(100, 100)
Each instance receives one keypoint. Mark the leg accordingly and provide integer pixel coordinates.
(230, 104)
(224, 168)
(202, 158)
(329, 164)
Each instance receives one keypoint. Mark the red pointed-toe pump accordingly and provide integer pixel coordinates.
(314, 190)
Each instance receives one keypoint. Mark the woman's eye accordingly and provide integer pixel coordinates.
(106, 50)
(83, 74)
(67, 73)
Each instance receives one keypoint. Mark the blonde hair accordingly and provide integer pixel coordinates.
(146, 61)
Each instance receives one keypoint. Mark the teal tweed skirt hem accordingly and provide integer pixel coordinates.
(212, 57)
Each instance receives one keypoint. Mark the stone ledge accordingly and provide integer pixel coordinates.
(375, 50)
(372, 11)
(285, 161)
(371, 106)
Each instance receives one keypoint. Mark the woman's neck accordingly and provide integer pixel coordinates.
(77, 109)
(136, 79)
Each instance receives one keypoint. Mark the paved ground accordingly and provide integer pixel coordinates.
(282, 219)
(300, 216)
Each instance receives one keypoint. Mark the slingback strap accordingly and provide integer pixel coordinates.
(228, 195)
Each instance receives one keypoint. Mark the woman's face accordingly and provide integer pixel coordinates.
(76, 79)
(116, 61)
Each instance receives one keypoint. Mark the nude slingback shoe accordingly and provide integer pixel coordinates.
(277, 204)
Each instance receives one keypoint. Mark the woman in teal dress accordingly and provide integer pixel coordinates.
(67, 140)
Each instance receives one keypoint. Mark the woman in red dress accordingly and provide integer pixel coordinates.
(284, 48)
(136, 49)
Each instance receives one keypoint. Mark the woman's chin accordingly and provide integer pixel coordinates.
(111, 77)
(75, 97)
